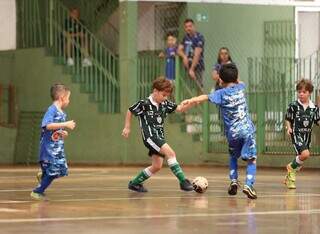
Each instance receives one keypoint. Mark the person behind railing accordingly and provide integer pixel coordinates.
(74, 32)
(191, 50)
(170, 56)
(224, 57)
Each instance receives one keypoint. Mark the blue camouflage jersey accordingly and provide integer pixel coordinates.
(233, 105)
(52, 144)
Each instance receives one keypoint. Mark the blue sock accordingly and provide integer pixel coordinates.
(233, 165)
(251, 173)
(45, 182)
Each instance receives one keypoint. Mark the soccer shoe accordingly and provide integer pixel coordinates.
(290, 179)
(250, 191)
(70, 62)
(39, 176)
(38, 196)
(186, 185)
(86, 62)
(137, 187)
(233, 187)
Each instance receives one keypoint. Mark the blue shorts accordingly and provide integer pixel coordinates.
(243, 147)
(57, 167)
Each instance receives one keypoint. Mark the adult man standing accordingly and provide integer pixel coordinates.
(191, 51)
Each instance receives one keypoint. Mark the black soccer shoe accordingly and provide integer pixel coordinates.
(233, 188)
(137, 187)
(186, 185)
(250, 192)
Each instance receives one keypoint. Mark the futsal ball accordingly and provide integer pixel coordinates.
(200, 184)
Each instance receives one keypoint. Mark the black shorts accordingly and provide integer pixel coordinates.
(154, 144)
(299, 143)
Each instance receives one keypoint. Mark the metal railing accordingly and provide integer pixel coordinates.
(149, 67)
(69, 38)
(29, 26)
(271, 88)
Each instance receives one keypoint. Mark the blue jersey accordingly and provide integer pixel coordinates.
(233, 105)
(51, 147)
(171, 62)
(190, 43)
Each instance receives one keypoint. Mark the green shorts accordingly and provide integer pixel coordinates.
(154, 145)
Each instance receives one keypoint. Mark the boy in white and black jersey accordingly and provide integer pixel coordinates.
(151, 113)
(301, 115)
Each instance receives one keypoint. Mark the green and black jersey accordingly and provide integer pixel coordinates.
(151, 119)
(302, 121)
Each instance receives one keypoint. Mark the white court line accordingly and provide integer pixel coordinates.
(191, 215)
(9, 210)
(140, 197)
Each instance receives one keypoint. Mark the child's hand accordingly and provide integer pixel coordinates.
(289, 131)
(186, 102)
(70, 124)
(125, 132)
(192, 74)
(185, 62)
(63, 134)
(161, 55)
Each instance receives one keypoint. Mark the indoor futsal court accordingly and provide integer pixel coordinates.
(82, 203)
(144, 116)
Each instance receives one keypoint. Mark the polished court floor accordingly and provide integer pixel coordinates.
(95, 200)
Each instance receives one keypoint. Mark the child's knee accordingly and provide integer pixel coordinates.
(252, 161)
(305, 154)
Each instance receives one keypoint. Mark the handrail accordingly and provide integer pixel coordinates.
(69, 38)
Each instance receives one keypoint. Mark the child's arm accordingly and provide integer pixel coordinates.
(68, 124)
(127, 125)
(188, 103)
(288, 127)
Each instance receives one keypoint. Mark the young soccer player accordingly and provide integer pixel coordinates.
(239, 129)
(300, 117)
(152, 112)
(52, 157)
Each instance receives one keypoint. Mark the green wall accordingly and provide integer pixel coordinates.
(97, 138)
(6, 64)
(238, 27)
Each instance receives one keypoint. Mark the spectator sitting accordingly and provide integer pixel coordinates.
(224, 57)
(74, 31)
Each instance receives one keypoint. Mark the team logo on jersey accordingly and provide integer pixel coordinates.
(159, 119)
(305, 123)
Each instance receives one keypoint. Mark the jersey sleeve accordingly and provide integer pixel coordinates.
(216, 97)
(170, 107)
(48, 117)
(216, 67)
(137, 108)
(200, 42)
(290, 113)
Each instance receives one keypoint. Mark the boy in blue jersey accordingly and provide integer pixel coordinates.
(52, 157)
(170, 56)
(239, 129)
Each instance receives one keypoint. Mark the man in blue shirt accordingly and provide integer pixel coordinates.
(191, 51)
(52, 157)
(239, 129)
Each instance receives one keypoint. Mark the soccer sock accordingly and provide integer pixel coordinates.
(251, 173)
(176, 169)
(233, 165)
(296, 163)
(46, 180)
(142, 176)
